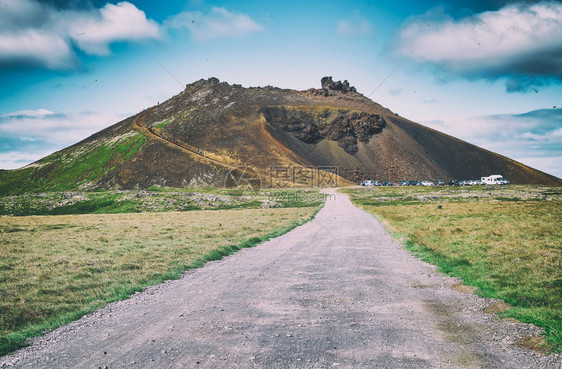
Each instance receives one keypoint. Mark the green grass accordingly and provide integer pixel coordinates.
(504, 241)
(98, 202)
(161, 124)
(55, 269)
(153, 199)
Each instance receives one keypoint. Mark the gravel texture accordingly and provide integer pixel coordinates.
(337, 292)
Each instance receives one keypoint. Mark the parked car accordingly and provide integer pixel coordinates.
(427, 183)
(415, 183)
(403, 183)
(440, 182)
(388, 183)
(370, 183)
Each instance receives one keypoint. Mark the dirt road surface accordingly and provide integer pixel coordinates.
(337, 292)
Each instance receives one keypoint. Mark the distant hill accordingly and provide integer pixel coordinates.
(286, 137)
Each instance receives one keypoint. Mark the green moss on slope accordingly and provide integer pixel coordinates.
(71, 168)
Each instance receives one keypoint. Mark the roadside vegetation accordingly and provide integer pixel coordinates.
(505, 241)
(155, 199)
(56, 268)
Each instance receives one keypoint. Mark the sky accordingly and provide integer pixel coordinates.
(486, 71)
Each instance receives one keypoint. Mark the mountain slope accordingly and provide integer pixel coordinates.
(288, 137)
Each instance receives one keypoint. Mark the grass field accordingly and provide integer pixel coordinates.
(506, 241)
(54, 269)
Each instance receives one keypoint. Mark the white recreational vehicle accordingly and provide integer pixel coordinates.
(495, 179)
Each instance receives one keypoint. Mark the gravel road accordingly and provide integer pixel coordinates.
(337, 292)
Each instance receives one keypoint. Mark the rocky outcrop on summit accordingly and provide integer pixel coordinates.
(329, 84)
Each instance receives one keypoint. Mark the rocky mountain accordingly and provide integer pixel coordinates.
(214, 133)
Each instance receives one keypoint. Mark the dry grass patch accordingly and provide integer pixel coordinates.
(56, 268)
(497, 307)
(535, 343)
(463, 288)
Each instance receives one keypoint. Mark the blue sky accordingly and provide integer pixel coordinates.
(488, 72)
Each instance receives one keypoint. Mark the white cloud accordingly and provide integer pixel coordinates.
(354, 28)
(548, 164)
(59, 128)
(121, 22)
(33, 33)
(219, 22)
(20, 114)
(18, 159)
(517, 41)
(33, 47)
(29, 135)
(52, 49)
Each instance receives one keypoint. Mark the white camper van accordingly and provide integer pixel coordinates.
(495, 179)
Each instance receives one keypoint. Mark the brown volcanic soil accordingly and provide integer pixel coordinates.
(270, 128)
(263, 127)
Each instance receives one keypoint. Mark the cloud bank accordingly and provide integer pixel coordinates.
(521, 43)
(29, 135)
(533, 138)
(38, 34)
(218, 22)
